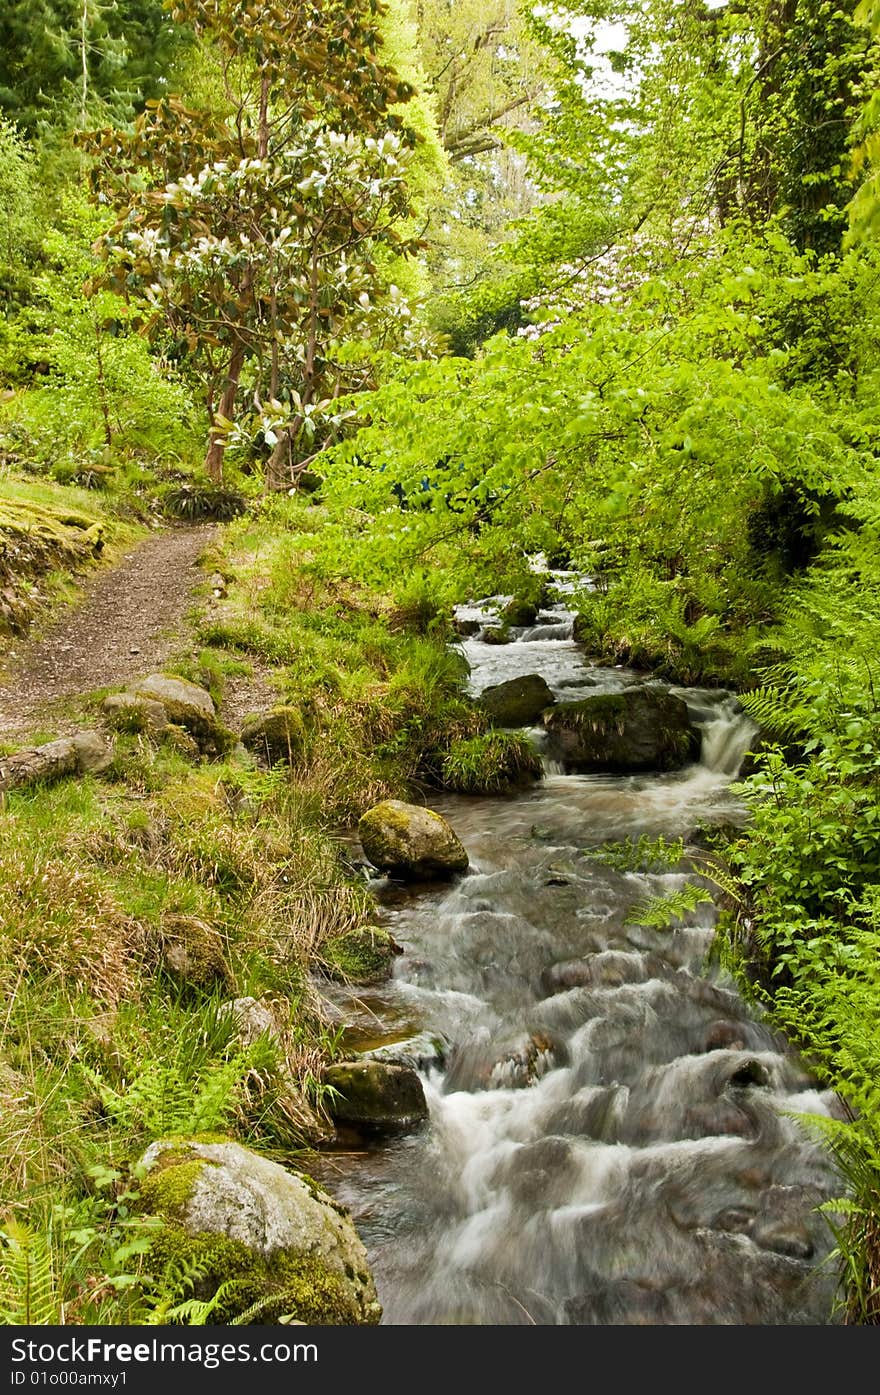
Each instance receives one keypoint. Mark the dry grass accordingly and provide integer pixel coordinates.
(62, 924)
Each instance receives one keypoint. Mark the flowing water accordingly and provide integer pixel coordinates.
(614, 1136)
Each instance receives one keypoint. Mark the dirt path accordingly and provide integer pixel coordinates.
(131, 617)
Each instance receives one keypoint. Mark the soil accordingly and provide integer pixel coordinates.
(130, 617)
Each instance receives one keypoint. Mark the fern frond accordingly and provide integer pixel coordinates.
(641, 854)
(776, 712)
(28, 1282)
(659, 912)
(722, 878)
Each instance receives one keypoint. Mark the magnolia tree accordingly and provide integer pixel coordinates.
(250, 224)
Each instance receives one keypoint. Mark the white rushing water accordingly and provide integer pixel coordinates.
(612, 1135)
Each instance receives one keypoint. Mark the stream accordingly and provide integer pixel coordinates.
(614, 1134)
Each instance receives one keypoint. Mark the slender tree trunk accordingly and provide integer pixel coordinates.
(217, 436)
(279, 468)
(102, 389)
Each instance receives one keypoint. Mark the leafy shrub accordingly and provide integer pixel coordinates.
(200, 499)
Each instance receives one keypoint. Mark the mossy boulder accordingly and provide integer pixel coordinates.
(187, 705)
(363, 955)
(261, 1234)
(276, 736)
(639, 729)
(193, 954)
(130, 713)
(417, 1053)
(519, 702)
(520, 613)
(496, 634)
(411, 843)
(375, 1096)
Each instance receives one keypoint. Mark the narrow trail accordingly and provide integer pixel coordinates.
(130, 618)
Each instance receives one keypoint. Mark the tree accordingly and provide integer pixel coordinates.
(59, 56)
(251, 222)
(863, 211)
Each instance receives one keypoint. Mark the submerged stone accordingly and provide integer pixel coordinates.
(376, 1096)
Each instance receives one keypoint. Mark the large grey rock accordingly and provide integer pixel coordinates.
(304, 1253)
(375, 1096)
(641, 728)
(518, 702)
(411, 843)
(184, 702)
(128, 712)
(186, 705)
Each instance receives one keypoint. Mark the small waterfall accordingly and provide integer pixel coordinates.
(726, 730)
(559, 627)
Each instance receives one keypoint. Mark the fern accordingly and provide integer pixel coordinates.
(643, 854)
(659, 912)
(29, 1289)
(776, 713)
(158, 1100)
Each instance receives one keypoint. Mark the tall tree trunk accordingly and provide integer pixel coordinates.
(217, 437)
(279, 467)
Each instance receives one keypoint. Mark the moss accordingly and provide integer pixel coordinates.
(170, 1183)
(519, 612)
(193, 953)
(181, 741)
(277, 736)
(363, 955)
(286, 1282)
(606, 709)
(635, 729)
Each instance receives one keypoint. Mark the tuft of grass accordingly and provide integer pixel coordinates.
(494, 762)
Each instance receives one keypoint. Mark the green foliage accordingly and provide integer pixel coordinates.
(201, 498)
(642, 854)
(28, 1282)
(823, 59)
(660, 912)
(255, 242)
(99, 394)
(495, 762)
(63, 60)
